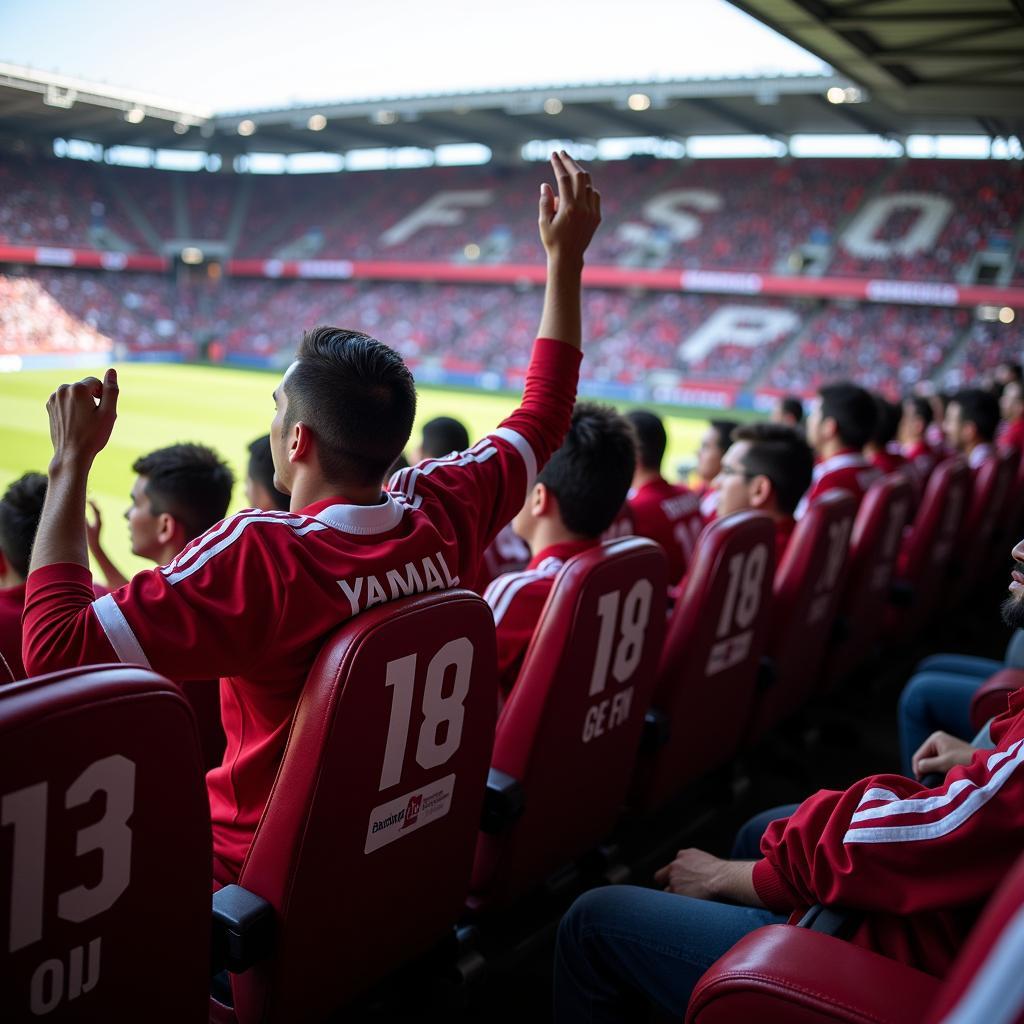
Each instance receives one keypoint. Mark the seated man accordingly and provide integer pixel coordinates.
(972, 418)
(572, 503)
(179, 493)
(260, 491)
(917, 863)
(441, 436)
(839, 426)
(767, 468)
(1011, 407)
(666, 513)
(789, 411)
(254, 599)
(882, 451)
(714, 443)
(914, 423)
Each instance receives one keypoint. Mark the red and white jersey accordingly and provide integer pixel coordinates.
(708, 503)
(508, 552)
(670, 515)
(845, 471)
(1011, 435)
(920, 862)
(784, 528)
(516, 601)
(253, 599)
(891, 460)
(978, 454)
(923, 457)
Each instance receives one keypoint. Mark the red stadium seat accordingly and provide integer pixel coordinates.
(927, 549)
(709, 666)
(204, 697)
(105, 898)
(993, 482)
(782, 974)
(569, 733)
(991, 697)
(808, 585)
(874, 548)
(366, 844)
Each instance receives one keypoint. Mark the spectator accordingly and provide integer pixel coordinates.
(574, 500)
(914, 864)
(441, 436)
(714, 443)
(666, 513)
(882, 449)
(179, 493)
(767, 468)
(970, 424)
(260, 491)
(1011, 406)
(839, 426)
(917, 417)
(789, 411)
(248, 601)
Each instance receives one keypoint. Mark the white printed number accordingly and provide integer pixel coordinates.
(442, 715)
(631, 627)
(686, 533)
(743, 598)
(25, 810)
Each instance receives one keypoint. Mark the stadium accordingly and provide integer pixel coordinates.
(680, 682)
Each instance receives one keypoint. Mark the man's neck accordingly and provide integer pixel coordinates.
(549, 532)
(831, 448)
(644, 476)
(306, 492)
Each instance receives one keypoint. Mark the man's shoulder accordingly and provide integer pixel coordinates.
(516, 591)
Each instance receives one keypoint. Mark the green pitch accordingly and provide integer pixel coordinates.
(163, 404)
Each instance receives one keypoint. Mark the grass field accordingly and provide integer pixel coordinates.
(162, 404)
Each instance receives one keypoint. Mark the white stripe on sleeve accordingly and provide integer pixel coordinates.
(522, 446)
(119, 633)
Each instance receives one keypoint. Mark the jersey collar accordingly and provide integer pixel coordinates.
(364, 520)
(563, 551)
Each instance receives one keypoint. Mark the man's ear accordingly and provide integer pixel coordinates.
(761, 491)
(829, 428)
(301, 444)
(168, 528)
(541, 501)
(969, 432)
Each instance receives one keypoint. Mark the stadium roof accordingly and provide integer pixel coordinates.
(904, 67)
(920, 59)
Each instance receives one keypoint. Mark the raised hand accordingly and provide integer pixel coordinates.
(81, 418)
(569, 219)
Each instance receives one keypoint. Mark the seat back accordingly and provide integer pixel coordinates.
(366, 843)
(104, 850)
(874, 548)
(808, 584)
(6, 675)
(708, 669)
(570, 730)
(203, 696)
(928, 546)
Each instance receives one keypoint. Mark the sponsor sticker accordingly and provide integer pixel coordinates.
(406, 814)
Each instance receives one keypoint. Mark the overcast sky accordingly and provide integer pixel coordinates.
(225, 55)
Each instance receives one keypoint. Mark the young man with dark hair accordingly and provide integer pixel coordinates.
(913, 434)
(441, 436)
(260, 491)
(1011, 407)
(789, 411)
(256, 597)
(666, 513)
(714, 443)
(179, 493)
(972, 418)
(839, 426)
(767, 468)
(882, 450)
(573, 502)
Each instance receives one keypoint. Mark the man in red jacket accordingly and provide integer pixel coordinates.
(253, 599)
(918, 863)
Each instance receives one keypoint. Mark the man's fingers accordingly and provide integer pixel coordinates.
(580, 178)
(547, 203)
(597, 203)
(108, 392)
(661, 875)
(563, 178)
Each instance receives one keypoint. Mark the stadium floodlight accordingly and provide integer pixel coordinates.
(553, 106)
(836, 95)
(180, 128)
(317, 123)
(1007, 315)
(246, 127)
(136, 115)
(385, 117)
(192, 255)
(472, 251)
(639, 101)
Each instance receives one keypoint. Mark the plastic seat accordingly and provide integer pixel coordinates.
(105, 905)
(568, 735)
(782, 974)
(365, 848)
(874, 548)
(991, 697)
(927, 549)
(709, 666)
(808, 585)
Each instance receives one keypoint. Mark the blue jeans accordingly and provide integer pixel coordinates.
(621, 947)
(931, 701)
(960, 665)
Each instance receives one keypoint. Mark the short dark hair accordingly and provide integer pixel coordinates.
(190, 482)
(261, 469)
(1016, 370)
(793, 406)
(443, 435)
(853, 410)
(887, 421)
(651, 439)
(980, 408)
(782, 454)
(20, 509)
(591, 473)
(724, 429)
(358, 398)
(922, 408)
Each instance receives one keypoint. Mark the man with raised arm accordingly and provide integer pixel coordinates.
(253, 599)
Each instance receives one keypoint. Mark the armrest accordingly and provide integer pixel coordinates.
(991, 697)
(785, 975)
(504, 801)
(656, 731)
(901, 594)
(244, 927)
